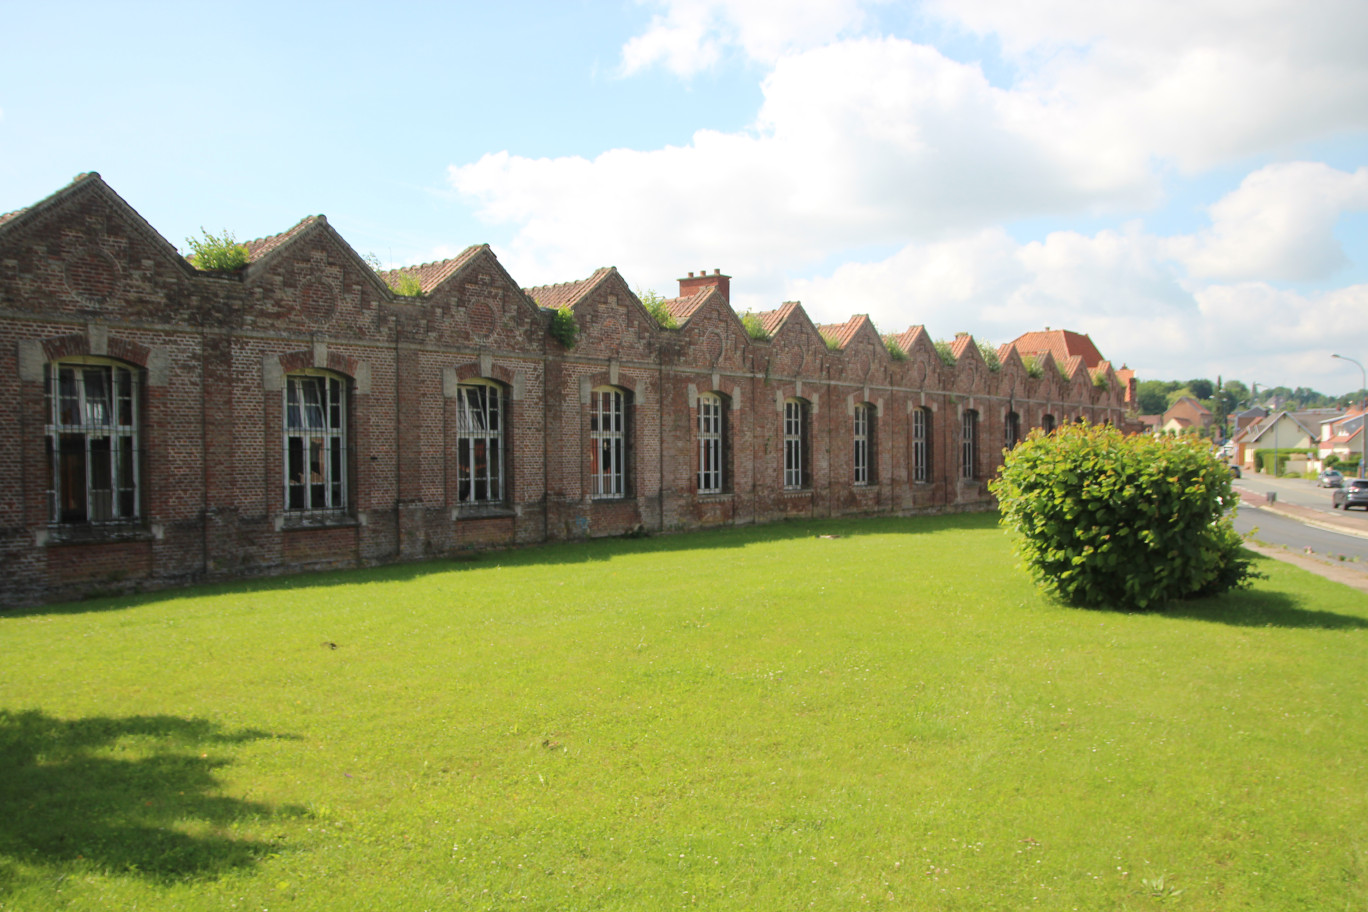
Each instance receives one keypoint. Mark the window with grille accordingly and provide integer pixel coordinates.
(92, 442)
(921, 444)
(608, 442)
(795, 444)
(479, 443)
(710, 444)
(969, 445)
(864, 444)
(315, 442)
(1012, 430)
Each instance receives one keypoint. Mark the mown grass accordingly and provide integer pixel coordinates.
(746, 719)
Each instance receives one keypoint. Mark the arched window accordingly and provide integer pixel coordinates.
(711, 444)
(479, 442)
(1047, 423)
(865, 425)
(608, 442)
(921, 444)
(969, 444)
(1011, 430)
(795, 444)
(315, 441)
(92, 441)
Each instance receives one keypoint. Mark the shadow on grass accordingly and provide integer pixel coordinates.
(551, 553)
(1262, 608)
(119, 794)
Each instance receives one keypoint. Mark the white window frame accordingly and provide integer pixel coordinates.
(711, 477)
(1011, 430)
(969, 444)
(864, 443)
(795, 444)
(314, 435)
(94, 451)
(607, 443)
(921, 445)
(480, 451)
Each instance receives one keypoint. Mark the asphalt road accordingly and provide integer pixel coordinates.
(1345, 551)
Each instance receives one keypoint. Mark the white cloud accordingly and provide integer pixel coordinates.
(690, 36)
(1279, 225)
(883, 143)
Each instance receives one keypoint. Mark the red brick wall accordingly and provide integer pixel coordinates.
(82, 275)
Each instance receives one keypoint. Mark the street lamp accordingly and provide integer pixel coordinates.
(1363, 412)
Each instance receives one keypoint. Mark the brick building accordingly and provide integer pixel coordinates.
(164, 425)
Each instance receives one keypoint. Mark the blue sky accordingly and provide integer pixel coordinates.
(1185, 180)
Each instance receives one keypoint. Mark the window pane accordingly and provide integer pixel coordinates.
(71, 477)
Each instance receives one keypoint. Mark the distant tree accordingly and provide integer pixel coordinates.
(1174, 395)
(1201, 389)
(1151, 396)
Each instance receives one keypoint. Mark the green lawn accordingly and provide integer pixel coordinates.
(743, 719)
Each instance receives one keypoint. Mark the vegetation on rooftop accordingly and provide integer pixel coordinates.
(755, 328)
(406, 285)
(655, 306)
(990, 356)
(947, 354)
(217, 253)
(563, 327)
(895, 351)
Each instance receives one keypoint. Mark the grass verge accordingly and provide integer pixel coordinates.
(745, 719)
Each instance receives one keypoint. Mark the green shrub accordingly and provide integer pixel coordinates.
(990, 356)
(563, 327)
(1263, 458)
(655, 306)
(1107, 520)
(832, 343)
(947, 354)
(217, 253)
(1033, 368)
(895, 351)
(406, 285)
(754, 327)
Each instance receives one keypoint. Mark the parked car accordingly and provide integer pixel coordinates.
(1352, 494)
(1330, 478)
(1234, 470)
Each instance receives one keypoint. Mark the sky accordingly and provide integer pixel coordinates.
(1186, 181)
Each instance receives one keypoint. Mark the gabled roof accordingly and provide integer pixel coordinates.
(910, 337)
(771, 320)
(430, 275)
(963, 342)
(1258, 429)
(684, 308)
(842, 333)
(568, 294)
(1062, 343)
(86, 183)
(258, 248)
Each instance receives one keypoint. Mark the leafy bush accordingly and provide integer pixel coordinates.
(946, 353)
(1107, 520)
(895, 351)
(655, 306)
(217, 253)
(832, 343)
(563, 327)
(754, 327)
(1033, 368)
(990, 356)
(407, 285)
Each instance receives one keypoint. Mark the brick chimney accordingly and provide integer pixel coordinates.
(694, 284)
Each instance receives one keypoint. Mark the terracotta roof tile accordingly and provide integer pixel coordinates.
(6, 216)
(259, 247)
(908, 337)
(961, 345)
(566, 293)
(683, 308)
(430, 275)
(1062, 343)
(842, 333)
(771, 320)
